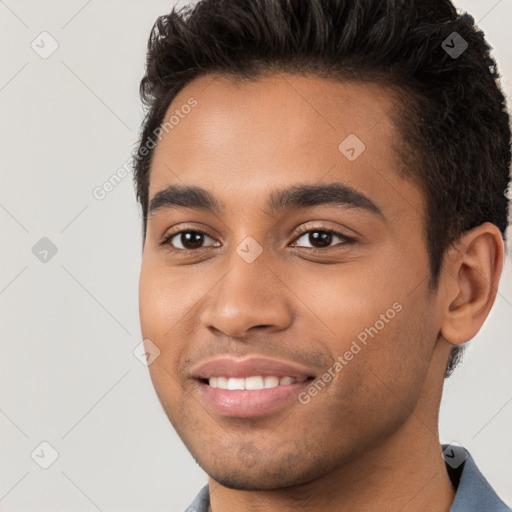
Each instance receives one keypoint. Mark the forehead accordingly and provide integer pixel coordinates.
(279, 130)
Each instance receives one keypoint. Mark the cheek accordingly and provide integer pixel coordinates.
(381, 385)
(399, 357)
(168, 315)
(347, 300)
(149, 299)
(156, 319)
(155, 314)
(381, 332)
(164, 301)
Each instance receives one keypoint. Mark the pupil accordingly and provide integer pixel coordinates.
(192, 238)
(322, 238)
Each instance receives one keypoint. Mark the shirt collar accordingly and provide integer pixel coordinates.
(473, 492)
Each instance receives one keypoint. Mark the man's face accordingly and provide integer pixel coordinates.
(363, 303)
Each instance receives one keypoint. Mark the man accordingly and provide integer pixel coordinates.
(323, 193)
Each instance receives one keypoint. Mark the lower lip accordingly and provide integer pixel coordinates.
(247, 403)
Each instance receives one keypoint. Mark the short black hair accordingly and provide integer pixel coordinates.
(450, 111)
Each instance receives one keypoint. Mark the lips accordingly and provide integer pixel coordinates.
(249, 387)
(254, 366)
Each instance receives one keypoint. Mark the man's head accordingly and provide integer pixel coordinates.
(301, 117)
(455, 135)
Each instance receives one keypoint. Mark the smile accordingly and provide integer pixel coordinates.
(248, 397)
(252, 383)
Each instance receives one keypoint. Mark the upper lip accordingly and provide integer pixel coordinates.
(238, 368)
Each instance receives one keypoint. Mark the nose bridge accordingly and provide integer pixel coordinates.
(249, 295)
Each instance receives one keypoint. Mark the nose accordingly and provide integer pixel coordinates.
(251, 296)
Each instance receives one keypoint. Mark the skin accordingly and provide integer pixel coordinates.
(369, 440)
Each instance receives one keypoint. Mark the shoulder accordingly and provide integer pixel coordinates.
(473, 491)
(201, 501)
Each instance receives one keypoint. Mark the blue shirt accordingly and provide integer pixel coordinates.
(473, 492)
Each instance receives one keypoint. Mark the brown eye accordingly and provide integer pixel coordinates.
(323, 238)
(186, 240)
(320, 238)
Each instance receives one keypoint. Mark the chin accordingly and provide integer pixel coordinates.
(253, 482)
(265, 474)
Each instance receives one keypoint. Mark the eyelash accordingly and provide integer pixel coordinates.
(346, 239)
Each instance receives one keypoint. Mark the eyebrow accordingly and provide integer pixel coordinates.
(295, 197)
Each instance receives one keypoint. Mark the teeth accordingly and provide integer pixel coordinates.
(271, 382)
(236, 383)
(250, 383)
(254, 382)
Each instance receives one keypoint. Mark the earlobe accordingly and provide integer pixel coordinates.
(470, 279)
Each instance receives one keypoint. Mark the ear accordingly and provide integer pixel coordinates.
(470, 281)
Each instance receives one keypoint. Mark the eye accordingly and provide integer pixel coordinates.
(320, 238)
(193, 239)
(186, 240)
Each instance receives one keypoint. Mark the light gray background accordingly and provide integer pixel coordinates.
(70, 325)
